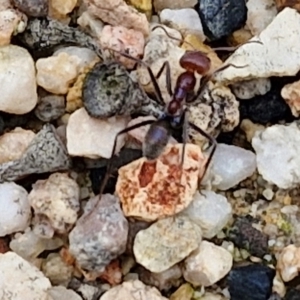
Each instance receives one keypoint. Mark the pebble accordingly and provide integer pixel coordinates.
(217, 110)
(251, 88)
(244, 235)
(288, 263)
(291, 94)
(50, 107)
(144, 6)
(277, 156)
(32, 8)
(16, 61)
(250, 128)
(164, 280)
(12, 22)
(165, 243)
(15, 213)
(268, 58)
(159, 5)
(231, 165)
(44, 33)
(21, 280)
(252, 282)
(201, 271)
(260, 14)
(100, 234)
(14, 143)
(56, 270)
(132, 290)
(5, 4)
(210, 211)
(220, 18)
(90, 23)
(266, 108)
(185, 20)
(29, 246)
(128, 41)
(281, 4)
(108, 90)
(149, 190)
(86, 56)
(117, 12)
(57, 200)
(185, 291)
(59, 10)
(56, 73)
(60, 292)
(35, 159)
(94, 138)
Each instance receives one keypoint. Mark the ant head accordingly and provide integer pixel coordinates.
(195, 61)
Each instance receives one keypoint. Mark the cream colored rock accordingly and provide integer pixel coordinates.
(251, 88)
(260, 14)
(56, 73)
(250, 128)
(94, 138)
(4, 4)
(56, 199)
(173, 4)
(60, 9)
(166, 242)
(18, 92)
(291, 94)
(120, 38)
(288, 263)
(21, 280)
(185, 20)
(10, 23)
(132, 290)
(207, 264)
(150, 190)
(14, 143)
(278, 54)
(117, 12)
(60, 292)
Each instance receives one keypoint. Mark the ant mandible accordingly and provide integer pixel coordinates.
(175, 112)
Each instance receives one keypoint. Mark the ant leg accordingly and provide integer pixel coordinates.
(213, 142)
(109, 164)
(166, 65)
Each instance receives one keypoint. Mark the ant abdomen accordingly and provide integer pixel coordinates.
(156, 139)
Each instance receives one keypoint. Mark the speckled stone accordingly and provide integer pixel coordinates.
(220, 18)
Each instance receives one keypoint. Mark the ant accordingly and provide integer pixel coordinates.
(175, 114)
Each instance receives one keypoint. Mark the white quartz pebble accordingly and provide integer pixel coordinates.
(15, 210)
(231, 165)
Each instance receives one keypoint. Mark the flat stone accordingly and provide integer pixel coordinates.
(149, 190)
(94, 138)
(278, 54)
(165, 243)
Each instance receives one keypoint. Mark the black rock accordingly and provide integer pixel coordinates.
(252, 282)
(244, 235)
(221, 17)
(268, 108)
(292, 294)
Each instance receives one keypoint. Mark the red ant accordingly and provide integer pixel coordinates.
(175, 112)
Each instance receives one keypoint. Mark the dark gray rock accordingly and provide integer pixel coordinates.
(32, 8)
(252, 282)
(221, 17)
(108, 90)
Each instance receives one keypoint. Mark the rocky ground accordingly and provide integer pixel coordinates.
(164, 228)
